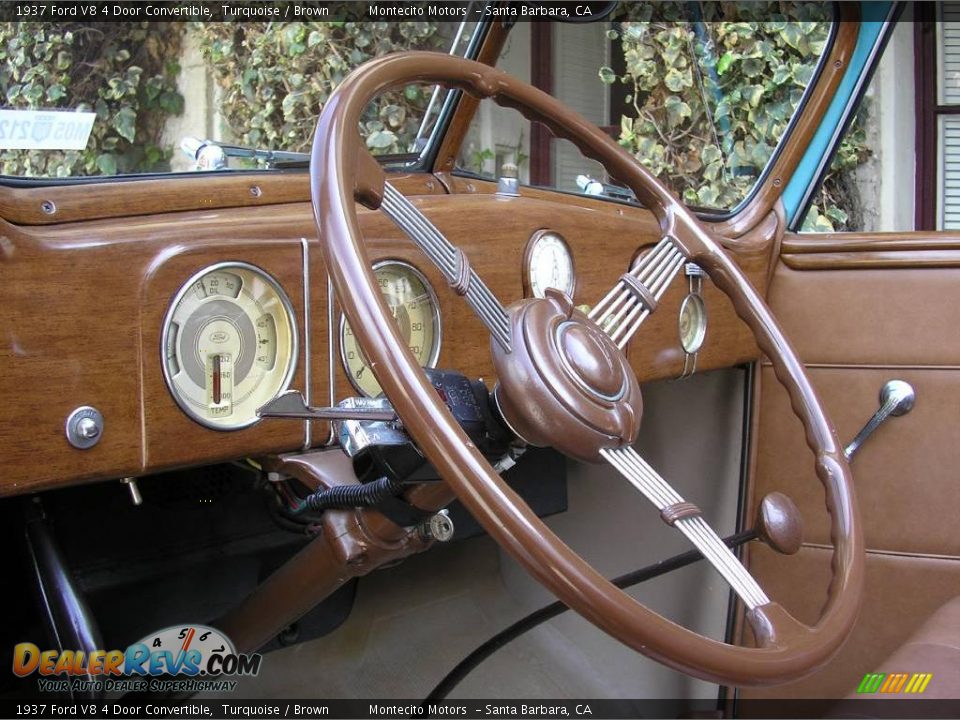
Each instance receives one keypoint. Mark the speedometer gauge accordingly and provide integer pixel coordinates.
(229, 344)
(415, 310)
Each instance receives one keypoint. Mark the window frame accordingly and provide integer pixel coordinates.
(541, 51)
(929, 180)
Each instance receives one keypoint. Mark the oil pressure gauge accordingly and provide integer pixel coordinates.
(549, 264)
(229, 344)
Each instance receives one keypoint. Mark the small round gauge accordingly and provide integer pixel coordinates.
(229, 344)
(416, 312)
(549, 264)
(692, 323)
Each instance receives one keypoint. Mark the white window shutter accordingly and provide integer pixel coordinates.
(579, 51)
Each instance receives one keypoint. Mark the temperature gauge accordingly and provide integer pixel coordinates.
(229, 345)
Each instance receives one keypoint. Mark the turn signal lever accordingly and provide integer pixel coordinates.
(896, 399)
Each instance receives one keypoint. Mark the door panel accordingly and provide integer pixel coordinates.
(903, 316)
(862, 310)
(900, 593)
(906, 473)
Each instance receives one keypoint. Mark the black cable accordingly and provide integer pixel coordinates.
(351, 496)
(538, 617)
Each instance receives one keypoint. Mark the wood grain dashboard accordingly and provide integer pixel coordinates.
(83, 303)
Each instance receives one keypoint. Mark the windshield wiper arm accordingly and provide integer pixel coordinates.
(212, 155)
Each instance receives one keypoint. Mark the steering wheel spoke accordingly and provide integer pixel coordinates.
(450, 260)
(687, 519)
(637, 293)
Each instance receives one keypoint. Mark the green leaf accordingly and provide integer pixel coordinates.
(125, 123)
(792, 35)
(677, 80)
(837, 215)
(289, 104)
(752, 94)
(803, 73)
(607, 75)
(395, 115)
(782, 74)
(710, 154)
(107, 164)
(677, 110)
(752, 67)
(707, 196)
(381, 139)
(55, 92)
(724, 63)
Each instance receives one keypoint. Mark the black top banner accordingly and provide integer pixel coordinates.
(297, 10)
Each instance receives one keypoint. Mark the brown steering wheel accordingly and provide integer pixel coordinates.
(564, 381)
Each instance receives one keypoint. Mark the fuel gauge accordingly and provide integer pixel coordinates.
(229, 345)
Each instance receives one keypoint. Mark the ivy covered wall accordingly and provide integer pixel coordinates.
(275, 77)
(708, 101)
(125, 72)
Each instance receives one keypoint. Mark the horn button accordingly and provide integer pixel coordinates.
(565, 384)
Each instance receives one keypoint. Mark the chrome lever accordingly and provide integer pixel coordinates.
(290, 404)
(896, 399)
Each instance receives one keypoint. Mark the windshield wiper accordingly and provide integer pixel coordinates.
(212, 155)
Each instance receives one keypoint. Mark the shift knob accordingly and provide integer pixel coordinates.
(779, 524)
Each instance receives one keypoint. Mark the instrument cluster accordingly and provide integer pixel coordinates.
(229, 344)
(229, 339)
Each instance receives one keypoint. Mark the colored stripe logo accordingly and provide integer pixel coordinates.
(893, 683)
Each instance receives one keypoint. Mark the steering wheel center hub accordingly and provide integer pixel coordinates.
(591, 359)
(565, 383)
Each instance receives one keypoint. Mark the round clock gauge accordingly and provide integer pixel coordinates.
(549, 264)
(692, 323)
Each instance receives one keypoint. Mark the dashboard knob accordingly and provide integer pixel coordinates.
(84, 427)
(87, 428)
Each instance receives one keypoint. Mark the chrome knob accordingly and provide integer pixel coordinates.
(896, 398)
(900, 394)
(84, 427)
(87, 428)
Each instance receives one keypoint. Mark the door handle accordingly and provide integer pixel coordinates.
(896, 399)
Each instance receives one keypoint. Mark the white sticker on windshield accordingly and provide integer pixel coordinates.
(45, 129)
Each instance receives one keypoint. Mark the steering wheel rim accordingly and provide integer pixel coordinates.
(342, 172)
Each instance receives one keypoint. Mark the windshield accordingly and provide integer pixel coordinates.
(113, 98)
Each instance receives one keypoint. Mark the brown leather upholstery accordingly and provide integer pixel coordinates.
(934, 648)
